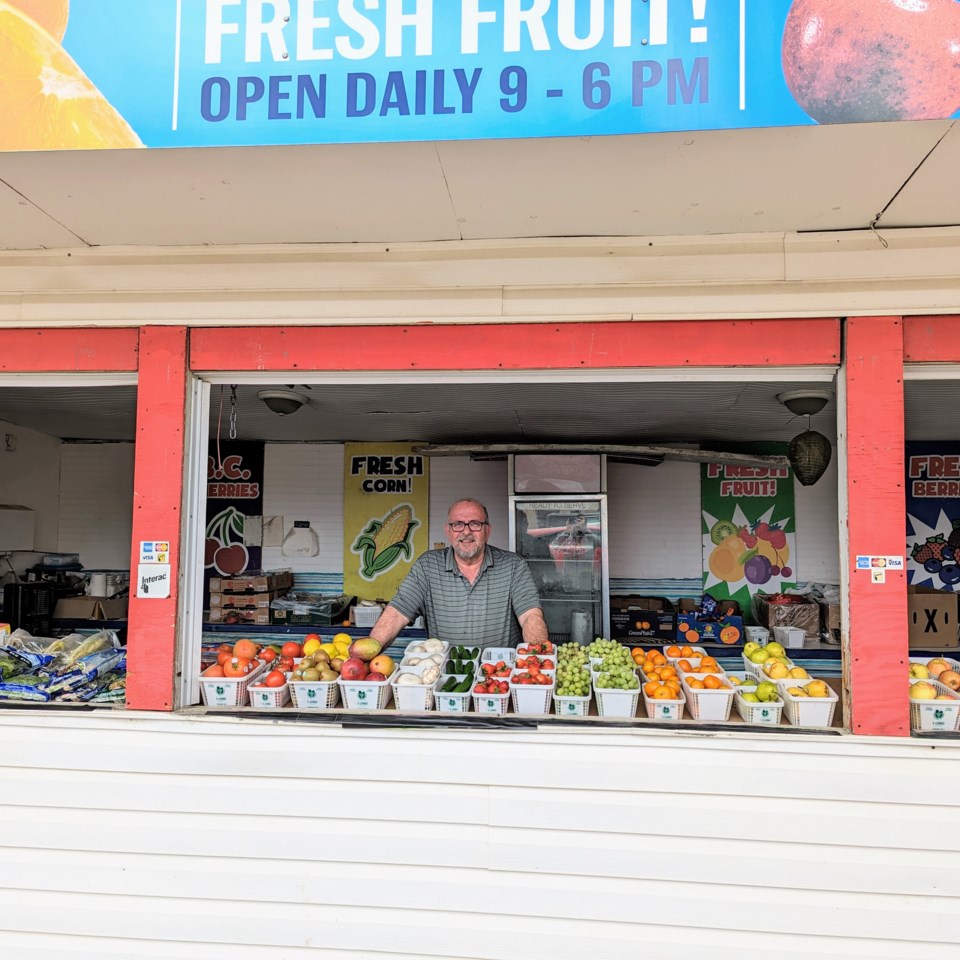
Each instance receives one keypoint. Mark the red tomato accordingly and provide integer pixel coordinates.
(268, 654)
(224, 655)
(275, 678)
(285, 664)
(291, 649)
(225, 646)
(237, 667)
(312, 636)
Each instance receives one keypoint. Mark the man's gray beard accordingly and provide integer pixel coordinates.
(464, 554)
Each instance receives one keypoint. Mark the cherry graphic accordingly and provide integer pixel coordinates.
(210, 547)
(231, 559)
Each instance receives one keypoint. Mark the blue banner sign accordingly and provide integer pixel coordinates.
(192, 73)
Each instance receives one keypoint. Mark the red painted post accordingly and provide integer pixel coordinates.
(931, 339)
(157, 499)
(877, 649)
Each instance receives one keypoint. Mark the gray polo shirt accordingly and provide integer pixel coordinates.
(479, 614)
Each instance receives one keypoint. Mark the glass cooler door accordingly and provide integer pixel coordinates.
(564, 541)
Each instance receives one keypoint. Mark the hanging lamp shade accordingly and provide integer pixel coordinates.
(809, 455)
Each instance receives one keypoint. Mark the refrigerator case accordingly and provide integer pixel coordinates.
(564, 541)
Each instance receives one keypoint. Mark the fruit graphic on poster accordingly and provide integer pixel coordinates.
(223, 549)
(847, 61)
(47, 102)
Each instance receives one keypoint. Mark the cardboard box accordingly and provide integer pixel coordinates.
(254, 615)
(830, 620)
(932, 618)
(90, 608)
(241, 601)
(727, 631)
(642, 619)
(310, 608)
(277, 582)
(804, 613)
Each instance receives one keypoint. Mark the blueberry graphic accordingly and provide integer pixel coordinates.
(950, 573)
(932, 566)
(947, 553)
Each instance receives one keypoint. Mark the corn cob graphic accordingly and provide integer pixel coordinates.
(383, 542)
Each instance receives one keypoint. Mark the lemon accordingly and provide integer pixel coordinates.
(311, 647)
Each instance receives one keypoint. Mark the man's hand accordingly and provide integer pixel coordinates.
(390, 623)
(533, 625)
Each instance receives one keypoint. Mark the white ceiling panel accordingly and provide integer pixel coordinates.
(25, 223)
(252, 195)
(739, 181)
(931, 198)
(716, 182)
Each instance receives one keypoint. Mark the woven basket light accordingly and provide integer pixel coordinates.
(809, 455)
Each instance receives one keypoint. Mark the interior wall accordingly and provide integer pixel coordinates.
(654, 512)
(96, 503)
(30, 477)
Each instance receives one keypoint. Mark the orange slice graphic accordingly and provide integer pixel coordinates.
(46, 101)
(50, 14)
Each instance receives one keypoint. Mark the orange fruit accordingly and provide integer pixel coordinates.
(686, 651)
(685, 665)
(46, 101)
(694, 684)
(673, 651)
(663, 692)
(50, 14)
(658, 658)
(712, 683)
(673, 684)
(667, 671)
(708, 665)
(650, 687)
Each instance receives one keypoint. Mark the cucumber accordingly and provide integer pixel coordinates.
(449, 686)
(464, 685)
(449, 667)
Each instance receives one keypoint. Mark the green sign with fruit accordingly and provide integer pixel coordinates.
(748, 530)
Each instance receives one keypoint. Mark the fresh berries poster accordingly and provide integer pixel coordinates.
(264, 72)
(933, 514)
(748, 529)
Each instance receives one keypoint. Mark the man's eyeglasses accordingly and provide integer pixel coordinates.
(475, 525)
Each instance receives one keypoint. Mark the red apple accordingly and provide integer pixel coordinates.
(353, 669)
(847, 61)
(375, 677)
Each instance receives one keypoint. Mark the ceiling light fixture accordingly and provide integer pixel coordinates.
(809, 452)
(283, 402)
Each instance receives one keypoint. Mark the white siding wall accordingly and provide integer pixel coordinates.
(96, 503)
(214, 838)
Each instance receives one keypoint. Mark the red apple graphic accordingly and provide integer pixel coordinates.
(847, 61)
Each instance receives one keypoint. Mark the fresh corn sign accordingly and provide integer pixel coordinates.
(385, 508)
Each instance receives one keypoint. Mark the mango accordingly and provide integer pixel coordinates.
(366, 648)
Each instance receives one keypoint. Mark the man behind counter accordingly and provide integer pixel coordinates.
(470, 592)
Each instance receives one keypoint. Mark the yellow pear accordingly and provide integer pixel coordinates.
(817, 688)
(797, 673)
(795, 692)
(776, 671)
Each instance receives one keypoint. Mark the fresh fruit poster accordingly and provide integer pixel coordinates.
(386, 502)
(749, 534)
(933, 514)
(234, 492)
(264, 72)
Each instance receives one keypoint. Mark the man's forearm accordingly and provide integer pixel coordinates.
(534, 627)
(390, 623)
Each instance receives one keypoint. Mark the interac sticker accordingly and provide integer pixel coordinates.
(153, 581)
